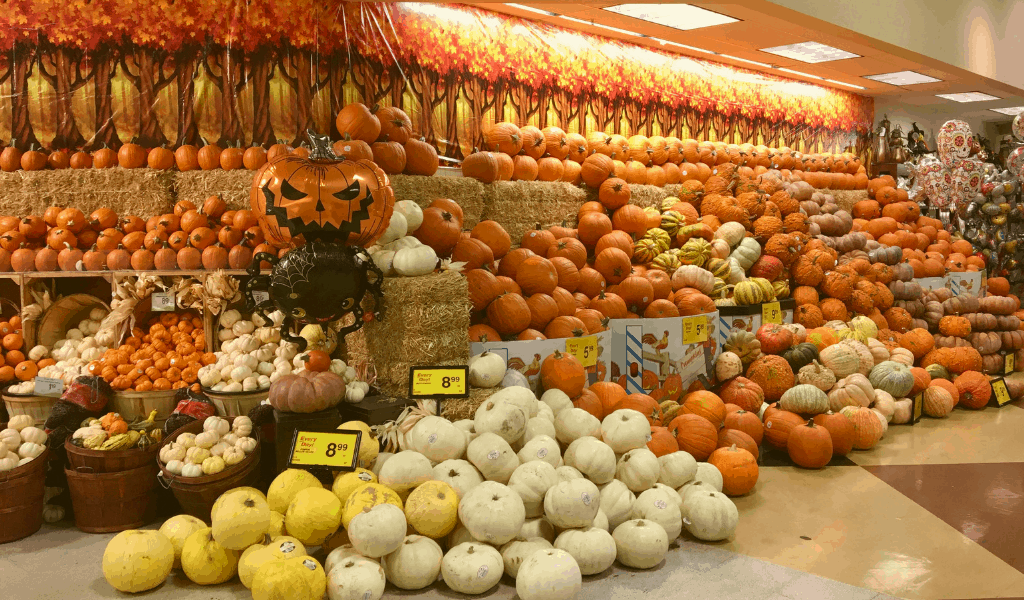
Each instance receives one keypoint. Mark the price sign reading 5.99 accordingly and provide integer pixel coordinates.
(337, 450)
(584, 349)
(771, 312)
(438, 382)
(695, 329)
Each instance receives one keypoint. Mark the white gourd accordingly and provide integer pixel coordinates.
(515, 553)
(572, 504)
(549, 575)
(593, 549)
(640, 544)
(676, 468)
(540, 448)
(574, 423)
(532, 481)
(501, 418)
(472, 568)
(593, 458)
(710, 516)
(493, 457)
(662, 508)
(625, 430)
(415, 565)
(492, 512)
(638, 469)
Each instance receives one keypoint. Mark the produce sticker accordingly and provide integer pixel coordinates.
(337, 449)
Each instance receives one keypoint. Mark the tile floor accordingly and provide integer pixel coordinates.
(932, 513)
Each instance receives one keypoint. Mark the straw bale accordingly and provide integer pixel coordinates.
(426, 322)
(649, 195)
(455, 409)
(465, 191)
(141, 192)
(521, 205)
(231, 186)
(847, 198)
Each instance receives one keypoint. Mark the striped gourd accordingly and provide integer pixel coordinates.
(660, 237)
(748, 292)
(696, 251)
(670, 222)
(666, 262)
(719, 267)
(644, 251)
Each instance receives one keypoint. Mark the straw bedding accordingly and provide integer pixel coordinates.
(522, 205)
(847, 198)
(129, 191)
(426, 322)
(231, 186)
(455, 409)
(466, 192)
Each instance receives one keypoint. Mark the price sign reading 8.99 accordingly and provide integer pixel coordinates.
(337, 449)
(438, 382)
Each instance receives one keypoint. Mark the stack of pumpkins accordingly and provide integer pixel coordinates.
(515, 491)
(531, 154)
(16, 365)
(221, 445)
(383, 134)
(188, 238)
(985, 329)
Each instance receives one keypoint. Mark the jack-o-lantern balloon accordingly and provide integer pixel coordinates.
(321, 197)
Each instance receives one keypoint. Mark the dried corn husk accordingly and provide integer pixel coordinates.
(221, 290)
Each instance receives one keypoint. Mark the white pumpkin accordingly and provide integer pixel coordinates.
(532, 481)
(34, 435)
(709, 473)
(522, 397)
(19, 422)
(30, 450)
(486, 370)
(412, 262)
(174, 467)
(544, 411)
(593, 458)
(693, 487)
(492, 513)
(356, 578)
(640, 544)
(732, 232)
(539, 426)
(661, 507)
(539, 527)
(460, 535)
(502, 418)
(459, 474)
(412, 212)
(472, 568)
(493, 457)
(676, 468)
(885, 404)
(437, 439)
(213, 465)
(406, 470)
(593, 549)
(557, 400)
(10, 438)
(572, 504)
(207, 439)
(710, 516)
(377, 531)
(617, 503)
(638, 469)
(9, 462)
(540, 448)
(549, 575)
(625, 430)
(232, 456)
(567, 473)
(415, 564)
(397, 228)
(515, 553)
(191, 470)
(246, 444)
(574, 423)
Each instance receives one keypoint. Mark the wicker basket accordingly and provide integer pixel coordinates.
(236, 404)
(65, 314)
(135, 405)
(37, 407)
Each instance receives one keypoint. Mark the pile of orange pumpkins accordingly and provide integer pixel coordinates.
(188, 238)
(513, 153)
(15, 365)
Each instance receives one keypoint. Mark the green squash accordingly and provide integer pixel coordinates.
(937, 371)
(800, 355)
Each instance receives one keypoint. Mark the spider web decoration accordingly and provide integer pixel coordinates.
(301, 265)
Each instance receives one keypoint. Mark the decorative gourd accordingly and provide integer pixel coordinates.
(817, 375)
(593, 458)
(841, 359)
(638, 469)
(492, 512)
(804, 399)
(892, 377)
(640, 544)
(710, 516)
(727, 366)
(800, 355)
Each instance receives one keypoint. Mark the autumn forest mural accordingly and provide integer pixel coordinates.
(88, 73)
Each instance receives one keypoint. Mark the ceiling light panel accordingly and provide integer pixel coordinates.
(677, 16)
(902, 78)
(532, 9)
(968, 97)
(608, 27)
(810, 52)
(800, 73)
(1013, 111)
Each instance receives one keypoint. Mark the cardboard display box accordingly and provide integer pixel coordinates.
(748, 318)
(526, 356)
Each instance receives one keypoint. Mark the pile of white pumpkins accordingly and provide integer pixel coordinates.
(252, 355)
(20, 443)
(79, 346)
(220, 446)
(536, 489)
(398, 252)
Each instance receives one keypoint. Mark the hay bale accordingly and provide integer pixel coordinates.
(231, 186)
(143, 192)
(455, 409)
(649, 195)
(465, 191)
(426, 322)
(847, 198)
(521, 205)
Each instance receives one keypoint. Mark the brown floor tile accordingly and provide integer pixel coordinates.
(983, 501)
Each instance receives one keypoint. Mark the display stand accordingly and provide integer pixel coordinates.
(289, 423)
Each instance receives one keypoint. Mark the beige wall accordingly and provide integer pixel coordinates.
(982, 36)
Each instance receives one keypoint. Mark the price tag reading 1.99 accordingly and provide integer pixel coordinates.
(584, 349)
(438, 382)
(771, 312)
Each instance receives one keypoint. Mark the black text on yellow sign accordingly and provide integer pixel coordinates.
(439, 382)
(1000, 393)
(695, 329)
(771, 312)
(338, 450)
(584, 349)
(1008, 363)
(918, 408)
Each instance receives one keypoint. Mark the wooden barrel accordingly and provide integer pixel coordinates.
(21, 499)
(196, 495)
(37, 407)
(111, 502)
(102, 461)
(236, 404)
(64, 314)
(135, 405)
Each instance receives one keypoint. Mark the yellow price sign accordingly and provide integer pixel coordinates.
(1008, 364)
(918, 408)
(335, 449)
(695, 329)
(438, 382)
(771, 312)
(999, 392)
(584, 349)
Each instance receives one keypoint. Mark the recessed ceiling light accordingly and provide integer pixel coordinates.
(609, 27)
(694, 48)
(968, 97)
(532, 9)
(747, 60)
(676, 16)
(810, 52)
(800, 73)
(902, 78)
(844, 83)
(1009, 111)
